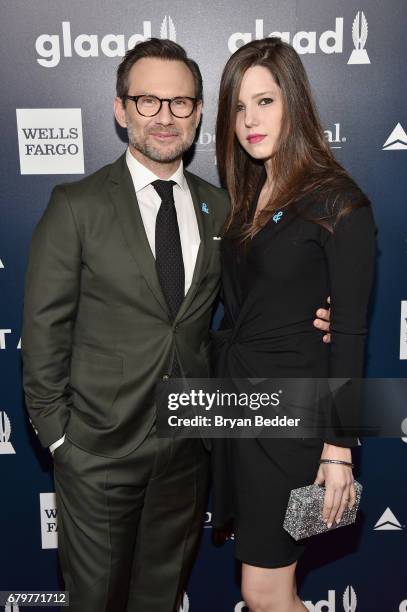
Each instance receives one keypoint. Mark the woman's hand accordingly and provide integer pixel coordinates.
(323, 322)
(339, 488)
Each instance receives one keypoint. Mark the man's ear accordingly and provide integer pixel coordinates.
(120, 112)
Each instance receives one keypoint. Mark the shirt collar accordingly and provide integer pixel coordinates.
(142, 176)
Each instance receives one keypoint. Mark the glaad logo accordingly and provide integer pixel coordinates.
(330, 41)
(403, 428)
(359, 35)
(304, 42)
(167, 29)
(184, 607)
(6, 448)
(11, 608)
(50, 140)
(49, 524)
(397, 141)
(48, 46)
(403, 330)
(241, 607)
(388, 522)
(349, 601)
(403, 606)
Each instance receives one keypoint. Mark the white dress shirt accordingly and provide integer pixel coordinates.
(149, 202)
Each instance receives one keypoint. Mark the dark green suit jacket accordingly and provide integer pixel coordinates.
(97, 334)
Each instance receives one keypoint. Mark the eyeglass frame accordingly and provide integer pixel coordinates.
(161, 100)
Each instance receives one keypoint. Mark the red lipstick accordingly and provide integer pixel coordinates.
(255, 138)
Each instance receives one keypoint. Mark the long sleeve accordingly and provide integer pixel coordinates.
(350, 253)
(50, 302)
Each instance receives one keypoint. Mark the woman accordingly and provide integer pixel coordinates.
(299, 229)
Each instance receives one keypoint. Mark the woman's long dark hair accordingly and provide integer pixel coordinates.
(303, 162)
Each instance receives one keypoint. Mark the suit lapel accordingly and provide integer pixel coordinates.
(205, 227)
(127, 209)
(125, 202)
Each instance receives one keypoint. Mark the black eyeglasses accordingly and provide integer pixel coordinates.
(148, 106)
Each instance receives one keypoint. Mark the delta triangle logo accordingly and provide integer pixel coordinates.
(387, 522)
(397, 141)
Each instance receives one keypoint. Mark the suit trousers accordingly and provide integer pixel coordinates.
(128, 528)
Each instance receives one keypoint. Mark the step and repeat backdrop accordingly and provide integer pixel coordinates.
(58, 62)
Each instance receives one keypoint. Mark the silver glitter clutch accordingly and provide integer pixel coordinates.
(303, 516)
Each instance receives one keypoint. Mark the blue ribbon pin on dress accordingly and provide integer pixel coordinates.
(205, 208)
(277, 216)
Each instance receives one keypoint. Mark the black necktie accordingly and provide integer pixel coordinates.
(168, 253)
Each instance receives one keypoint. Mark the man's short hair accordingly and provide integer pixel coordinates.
(162, 49)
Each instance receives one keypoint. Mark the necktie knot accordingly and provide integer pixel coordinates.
(164, 189)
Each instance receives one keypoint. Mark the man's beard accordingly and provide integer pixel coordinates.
(153, 152)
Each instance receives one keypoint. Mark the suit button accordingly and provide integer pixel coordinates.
(176, 328)
(166, 377)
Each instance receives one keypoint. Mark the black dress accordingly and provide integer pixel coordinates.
(271, 291)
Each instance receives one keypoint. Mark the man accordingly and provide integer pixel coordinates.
(122, 276)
